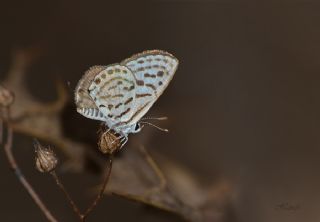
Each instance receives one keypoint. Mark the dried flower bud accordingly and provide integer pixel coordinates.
(6, 97)
(46, 160)
(109, 142)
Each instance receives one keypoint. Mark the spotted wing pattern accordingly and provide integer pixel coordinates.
(85, 105)
(152, 70)
(113, 91)
(120, 94)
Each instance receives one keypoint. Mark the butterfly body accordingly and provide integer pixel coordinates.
(120, 94)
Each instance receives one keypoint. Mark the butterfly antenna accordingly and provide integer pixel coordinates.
(155, 118)
(155, 126)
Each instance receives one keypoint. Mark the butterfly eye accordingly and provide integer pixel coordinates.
(137, 127)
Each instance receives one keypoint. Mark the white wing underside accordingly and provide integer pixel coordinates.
(155, 70)
(124, 92)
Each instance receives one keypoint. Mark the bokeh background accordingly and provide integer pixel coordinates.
(243, 105)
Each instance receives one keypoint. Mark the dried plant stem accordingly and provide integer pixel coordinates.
(83, 216)
(154, 166)
(61, 186)
(14, 166)
(101, 193)
(1, 131)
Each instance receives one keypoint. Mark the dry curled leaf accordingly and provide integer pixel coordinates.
(174, 189)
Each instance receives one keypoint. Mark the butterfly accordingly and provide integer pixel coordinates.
(120, 94)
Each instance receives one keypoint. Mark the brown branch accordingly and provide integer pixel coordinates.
(71, 202)
(1, 131)
(14, 166)
(154, 166)
(48, 108)
(100, 195)
(163, 186)
(160, 195)
(83, 216)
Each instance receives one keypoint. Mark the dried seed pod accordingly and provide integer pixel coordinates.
(46, 160)
(6, 97)
(109, 142)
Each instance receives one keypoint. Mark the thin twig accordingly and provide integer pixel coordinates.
(154, 166)
(161, 196)
(83, 216)
(71, 202)
(1, 130)
(163, 181)
(101, 193)
(47, 109)
(14, 166)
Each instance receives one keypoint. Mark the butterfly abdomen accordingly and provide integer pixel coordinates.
(92, 113)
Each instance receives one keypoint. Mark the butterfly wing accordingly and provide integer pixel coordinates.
(85, 104)
(113, 91)
(152, 70)
(120, 94)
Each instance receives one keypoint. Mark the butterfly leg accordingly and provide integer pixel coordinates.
(123, 140)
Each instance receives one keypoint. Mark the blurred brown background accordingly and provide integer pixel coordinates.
(243, 105)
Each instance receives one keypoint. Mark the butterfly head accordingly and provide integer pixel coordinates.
(137, 128)
(125, 129)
